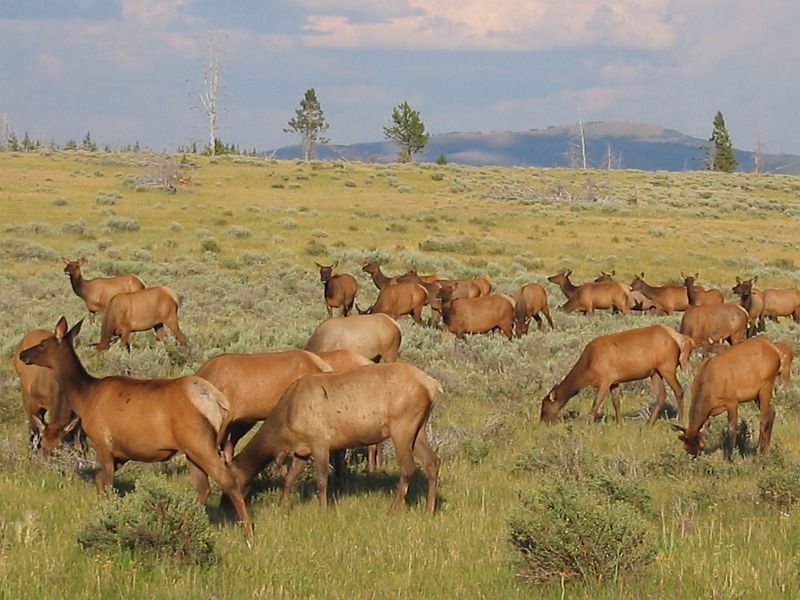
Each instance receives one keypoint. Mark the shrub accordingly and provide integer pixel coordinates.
(780, 487)
(565, 530)
(210, 245)
(153, 521)
(107, 198)
(315, 248)
(120, 224)
(237, 232)
(78, 226)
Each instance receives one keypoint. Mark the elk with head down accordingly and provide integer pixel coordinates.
(41, 396)
(713, 324)
(477, 315)
(340, 290)
(340, 410)
(153, 308)
(530, 301)
(609, 360)
(375, 336)
(743, 373)
(752, 300)
(399, 299)
(147, 420)
(97, 293)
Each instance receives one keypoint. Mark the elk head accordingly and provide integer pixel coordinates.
(326, 272)
(550, 406)
(51, 434)
(46, 353)
(693, 442)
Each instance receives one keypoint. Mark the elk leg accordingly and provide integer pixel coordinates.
(339, 466)
(616, 397)
(321, 457)
(199, 482)
(123, 339)
(105, 475)
(661, 396)
(172, 323)
(329, 309)
(602, 390)
(539, 322)
(766, 417)
(373, 457)
(416, 314)
(730, 438)
(159, 331)
(298, 465)
(430, 462)
(236, 431)
(405, 458)
(546, 312)
(677, 390)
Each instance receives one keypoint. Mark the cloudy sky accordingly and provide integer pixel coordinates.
(130, 70)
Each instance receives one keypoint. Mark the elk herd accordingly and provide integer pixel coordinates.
(316, 402)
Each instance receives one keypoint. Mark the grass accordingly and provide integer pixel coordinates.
(238, 245)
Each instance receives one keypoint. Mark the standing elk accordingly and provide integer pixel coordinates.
(530, 301)
(373, 267)
(743, 373)
(147, 420)
(782, 303)
(563, 282)
(608, 360)
(340, 410)
(670, 298)
(752, 300)
(139, 311)
(340, 290)
(477, 315)
(699, 296)
(375, 336)
(605, 294)
(97, 293)
(399, 299)
(713, 324)
(41, 396)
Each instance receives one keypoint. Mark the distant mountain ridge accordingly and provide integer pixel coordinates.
(623, 144)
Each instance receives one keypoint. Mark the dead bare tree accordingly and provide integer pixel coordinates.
(209, 94)
(758, 155)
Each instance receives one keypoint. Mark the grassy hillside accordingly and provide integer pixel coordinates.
(237, 244)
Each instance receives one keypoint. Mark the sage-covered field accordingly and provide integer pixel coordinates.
(238, 244)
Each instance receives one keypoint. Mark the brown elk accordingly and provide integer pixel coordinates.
(585, 298)
(605, 277)
(340, 410)
(340, 290)
(699, 296)
(743, 373)
(782, 303)
(153, 308)
(373, 267)
(670, 298)
(41, 396)
(563, 282)
(399, 299)
(639, 301)
(97, 293)
(477, 315)
(787, 355)
(147, 420)
(375, 336)
(752, 300)
(609, 360)
(530, 301)
(411, 275)
(714, 323)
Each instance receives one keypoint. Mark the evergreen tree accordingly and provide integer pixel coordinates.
(720, 153)
(88, 144)
(13, 142)
(407, 130)
(309, 122)
(27, 143)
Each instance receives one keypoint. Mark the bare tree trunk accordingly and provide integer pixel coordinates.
(209, 94)
(583, 142)
(758, 156)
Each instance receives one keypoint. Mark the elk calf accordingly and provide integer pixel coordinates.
(139, 311)
(340, 290)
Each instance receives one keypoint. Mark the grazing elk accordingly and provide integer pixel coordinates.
(340, 410)
(670, 298)
(41, 396)
(477, 315)
(743, 373)
(608, 360)
(752, 300)
(97, 293)
(698, 296)
(782, 303)
(375, 336)
(530, 301)
(399, 299)
(714, 323)
(373, 267)
(147, 420)
(139, 311)
(340, 290)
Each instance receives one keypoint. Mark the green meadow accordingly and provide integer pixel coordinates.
(238, 244)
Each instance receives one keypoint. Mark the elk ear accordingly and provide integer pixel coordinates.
(39, 423)
(319, 265)
(61, 329)
(683, 275)
(697, 275)
(568, 272)
(754, 279)
(65, 259)
(334, 265)
(72, 425)
(613, 272)
(680, 428)
(82, 260)
(76, 329)
(738, 279)
(641, 275)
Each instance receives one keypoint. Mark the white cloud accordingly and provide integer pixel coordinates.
(152, 12)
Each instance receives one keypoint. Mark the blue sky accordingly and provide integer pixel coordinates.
(129, 70)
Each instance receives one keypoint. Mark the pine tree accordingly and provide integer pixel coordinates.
(407, 130)
(88, 144)
(309, 122)
(720, 153)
